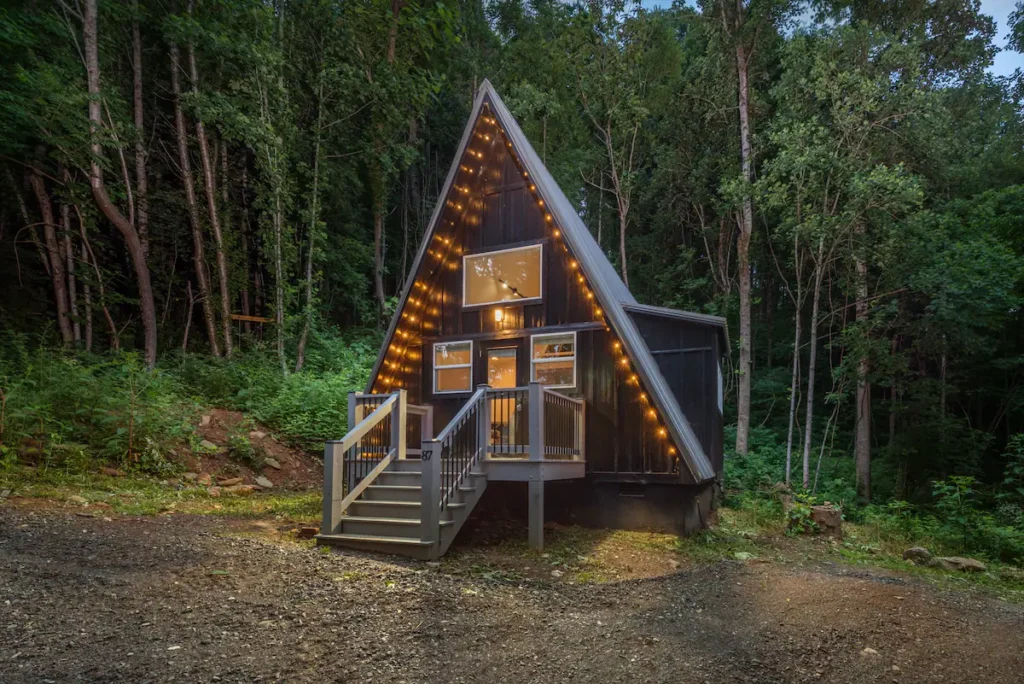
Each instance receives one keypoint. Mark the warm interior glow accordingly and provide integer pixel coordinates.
(553, 359)
(502, 276)
(499, 315)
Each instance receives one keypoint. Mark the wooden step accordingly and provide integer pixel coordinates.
(385, 509)
(403, 546)
(384, 527)
(386, 492)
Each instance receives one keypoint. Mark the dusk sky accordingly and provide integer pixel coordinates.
(1006, 60)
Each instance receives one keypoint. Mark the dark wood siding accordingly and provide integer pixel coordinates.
(687, 354)
(491, 207)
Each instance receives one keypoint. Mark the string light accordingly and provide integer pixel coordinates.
(473, 217)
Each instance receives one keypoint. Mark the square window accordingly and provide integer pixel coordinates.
(508, 275)
(453, 367)
(553, 359)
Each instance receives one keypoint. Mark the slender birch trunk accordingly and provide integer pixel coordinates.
(819, 273)
(862, 443)
(90, 258)
(249, 276)
(209, 186)
(198, 247)
(87, 302)
(23, 211)
(795, 378)
(313, 230)
(141, 180)
(743, 250)
(99, 192)
(69, 257)
(58, 275)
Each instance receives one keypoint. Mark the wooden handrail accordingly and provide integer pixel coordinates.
(563, 396)
(366, 424)
(357, 491)
(461, 414)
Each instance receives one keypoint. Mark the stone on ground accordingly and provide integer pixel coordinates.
(229, 481)
(257, 434)
(961, 564)
(208, 445)
(264, 482)
(204, 480)
(272, 462)
(918, 555)
(205, 420)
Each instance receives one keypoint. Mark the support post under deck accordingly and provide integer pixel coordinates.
(536, 514)
(536, 494)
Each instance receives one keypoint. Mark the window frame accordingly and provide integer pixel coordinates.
(507, 302)
(575, 357)
(434, 367)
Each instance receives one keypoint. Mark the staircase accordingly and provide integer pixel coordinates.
(387, 517)
(376, 498)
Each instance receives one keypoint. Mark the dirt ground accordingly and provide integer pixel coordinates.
(179, 598)
(294, 469)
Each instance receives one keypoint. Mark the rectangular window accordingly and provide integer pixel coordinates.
(508, 275)
(553, 359)
(453, 367)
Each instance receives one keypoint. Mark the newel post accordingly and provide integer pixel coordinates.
(352, 410)
(399, 413)
(484, 424)
(430, 496)
(535, 405)
(334, 490)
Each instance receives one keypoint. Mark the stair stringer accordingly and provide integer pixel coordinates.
(476, 484)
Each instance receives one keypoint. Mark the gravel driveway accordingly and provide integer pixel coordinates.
(197, 599)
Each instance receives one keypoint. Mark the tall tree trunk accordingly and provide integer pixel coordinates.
(862, 443)
(743, 251)
(99, 191)
(69, 256)
(90, 257)
(279, 278)
(23, 210)
(795, 374)
(87, 297)
(141, 182)
(314, 217)
(819, 274)
(57, 265)
(198, 248)
(249, 276)
(378, 240)
(209, 186)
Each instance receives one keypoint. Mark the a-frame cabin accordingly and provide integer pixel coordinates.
(517, 355)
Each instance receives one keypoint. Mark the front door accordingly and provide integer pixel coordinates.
(502, 363)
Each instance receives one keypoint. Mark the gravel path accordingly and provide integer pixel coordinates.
(190, 599)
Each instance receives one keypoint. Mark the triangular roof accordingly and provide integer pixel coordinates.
(609, 290)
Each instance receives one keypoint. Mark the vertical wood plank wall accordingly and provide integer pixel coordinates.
(497, 211)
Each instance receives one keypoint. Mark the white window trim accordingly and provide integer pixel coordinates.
(524, 300)
(575, 356)
(434, 366)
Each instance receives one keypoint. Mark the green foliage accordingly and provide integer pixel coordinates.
(69, 410)
(800, 514)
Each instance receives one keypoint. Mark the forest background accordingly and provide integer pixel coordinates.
(842, 180)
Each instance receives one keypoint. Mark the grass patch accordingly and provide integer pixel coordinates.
(147, 496)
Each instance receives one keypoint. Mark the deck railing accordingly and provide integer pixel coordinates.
(564, 428)
(509, 435)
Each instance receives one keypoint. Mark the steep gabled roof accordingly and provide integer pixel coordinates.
(609, 290)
